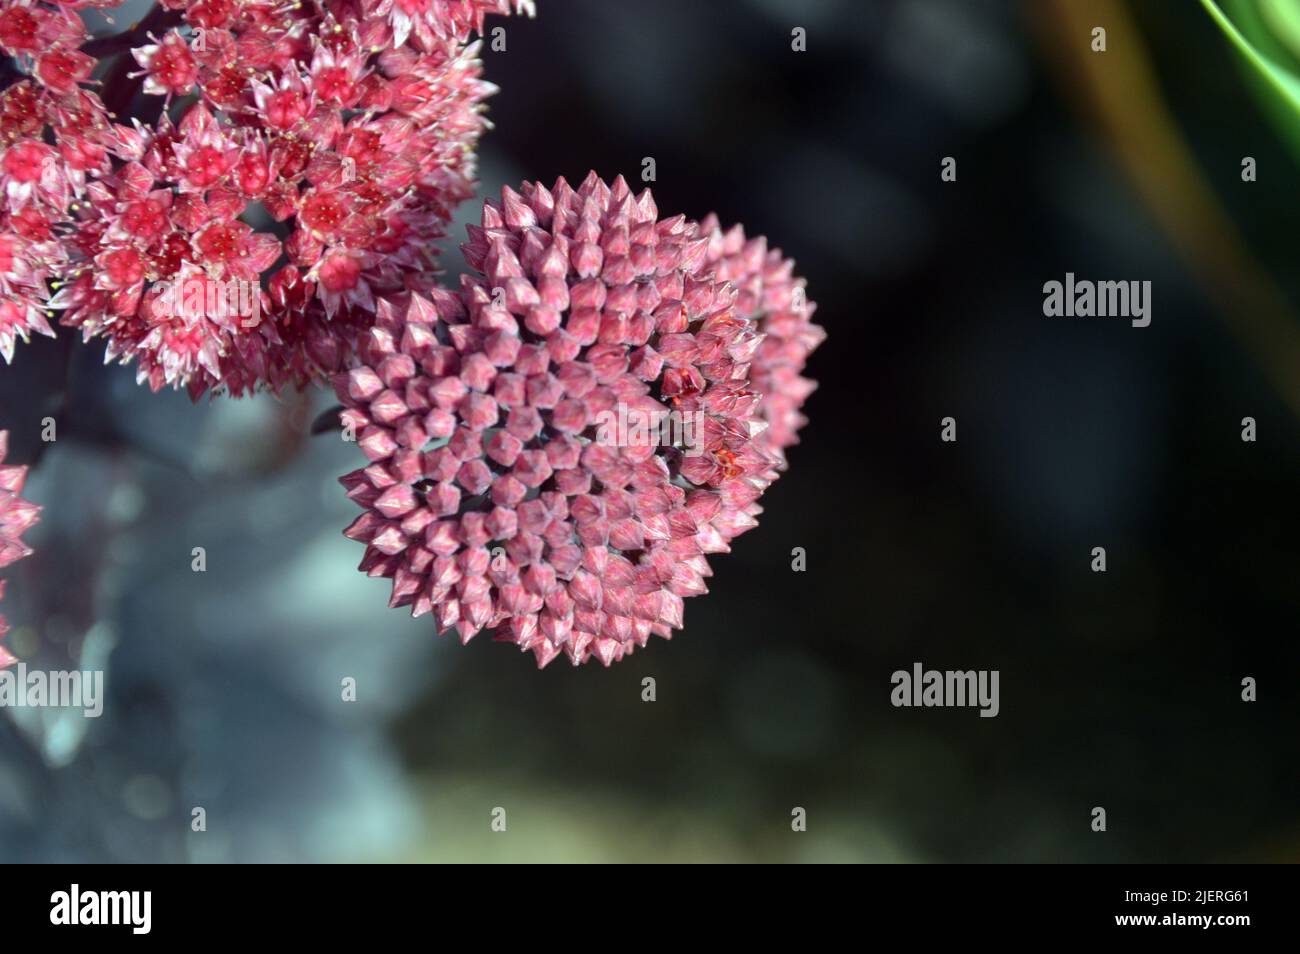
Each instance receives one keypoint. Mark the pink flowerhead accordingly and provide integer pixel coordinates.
(493, 498)
(16, 516)
(320, 164)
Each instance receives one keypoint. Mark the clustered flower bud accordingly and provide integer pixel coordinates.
(491, 500)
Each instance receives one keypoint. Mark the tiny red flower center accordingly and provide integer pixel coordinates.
(26, 161)
(18, 29)
(206, 165)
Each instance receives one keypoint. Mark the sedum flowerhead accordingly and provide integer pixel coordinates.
(317, 153)
(16, 516)
(346, 153)
(497, 495)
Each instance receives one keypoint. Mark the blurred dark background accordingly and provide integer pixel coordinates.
(1120, 690)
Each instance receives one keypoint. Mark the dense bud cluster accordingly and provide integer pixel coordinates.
(494, 498)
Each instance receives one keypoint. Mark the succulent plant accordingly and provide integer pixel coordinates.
(266, 220)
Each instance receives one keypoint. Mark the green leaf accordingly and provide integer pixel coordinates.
(1267, 34)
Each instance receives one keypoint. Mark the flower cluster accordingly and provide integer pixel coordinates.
(490, 499)
(16, 515)
(266, 216)
(314, 150)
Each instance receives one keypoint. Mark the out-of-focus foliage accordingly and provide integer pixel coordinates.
(1267, 34)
